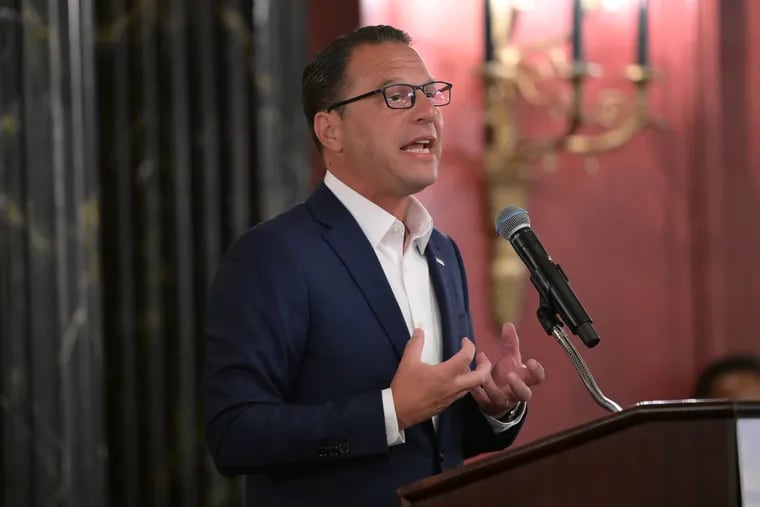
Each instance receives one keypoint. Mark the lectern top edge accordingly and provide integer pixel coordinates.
(642, 413)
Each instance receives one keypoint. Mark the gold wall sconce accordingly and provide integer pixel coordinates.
(548, 76)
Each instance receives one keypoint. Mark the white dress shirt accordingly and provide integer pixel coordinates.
(408, 275)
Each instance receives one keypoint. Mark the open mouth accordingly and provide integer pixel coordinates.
(420, 145)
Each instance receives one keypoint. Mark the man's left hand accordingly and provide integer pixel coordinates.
(510, 379)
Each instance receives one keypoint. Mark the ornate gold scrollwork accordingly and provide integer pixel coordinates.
(542, 80)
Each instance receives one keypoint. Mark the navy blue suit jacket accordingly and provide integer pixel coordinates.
(303, 333)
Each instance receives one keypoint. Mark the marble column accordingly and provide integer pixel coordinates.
(54, 448)
(280, 44)
(131, 156)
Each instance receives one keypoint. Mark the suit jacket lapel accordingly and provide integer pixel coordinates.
(350, 244)
(441, 274)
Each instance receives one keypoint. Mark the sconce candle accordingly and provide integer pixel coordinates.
(489, 43)
(642, 49)
(577, 31)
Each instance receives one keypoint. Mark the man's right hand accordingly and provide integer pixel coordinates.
(421, 390)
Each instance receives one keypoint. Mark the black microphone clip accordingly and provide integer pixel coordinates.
(556, 299)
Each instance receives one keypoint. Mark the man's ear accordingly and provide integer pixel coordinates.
(328, 127)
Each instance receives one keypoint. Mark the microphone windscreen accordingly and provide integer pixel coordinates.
(510, 220)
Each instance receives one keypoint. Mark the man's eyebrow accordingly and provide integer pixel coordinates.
(397, 80)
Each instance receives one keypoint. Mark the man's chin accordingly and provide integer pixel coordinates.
(418, 185)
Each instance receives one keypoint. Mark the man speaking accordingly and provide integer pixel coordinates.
(340, 363)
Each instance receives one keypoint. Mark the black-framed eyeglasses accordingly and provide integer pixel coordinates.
(403, 96)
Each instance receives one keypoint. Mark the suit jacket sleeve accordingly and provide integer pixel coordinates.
(256, 328)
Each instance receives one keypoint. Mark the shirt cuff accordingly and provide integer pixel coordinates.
(392, 434)
(516, 415)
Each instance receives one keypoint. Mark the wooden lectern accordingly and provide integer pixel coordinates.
(681, 454)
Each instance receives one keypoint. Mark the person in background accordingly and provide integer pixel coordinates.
(732, 377)
(340, 361)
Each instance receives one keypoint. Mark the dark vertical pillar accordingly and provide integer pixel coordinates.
(151, 315)
(176, 109)
(283, 140)
(52, 355)
(181, 286)
(116, 101)
(16, 443)
(81, 356)
(207, 212)
(43, 333)
(237, 80)
(128, 164)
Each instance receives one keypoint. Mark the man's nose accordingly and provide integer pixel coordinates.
(423, 107)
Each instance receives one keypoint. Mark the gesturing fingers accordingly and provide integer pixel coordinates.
(510, 342)
(535, 373)
(477, 377)
(460, 361)
(491, 399)
(531, 373)
(519, 388)
(500, 370)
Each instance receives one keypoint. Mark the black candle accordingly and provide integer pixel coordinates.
(642, 49)
(577, 35)
(489, 42)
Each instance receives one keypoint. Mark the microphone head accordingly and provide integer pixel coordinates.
(510, 220)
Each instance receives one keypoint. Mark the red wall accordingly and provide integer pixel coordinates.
(326, 20)
(752, 22)
(660, 242)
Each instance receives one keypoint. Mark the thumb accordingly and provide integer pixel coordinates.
(463, 358)
(510, 341)
(414, 346)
